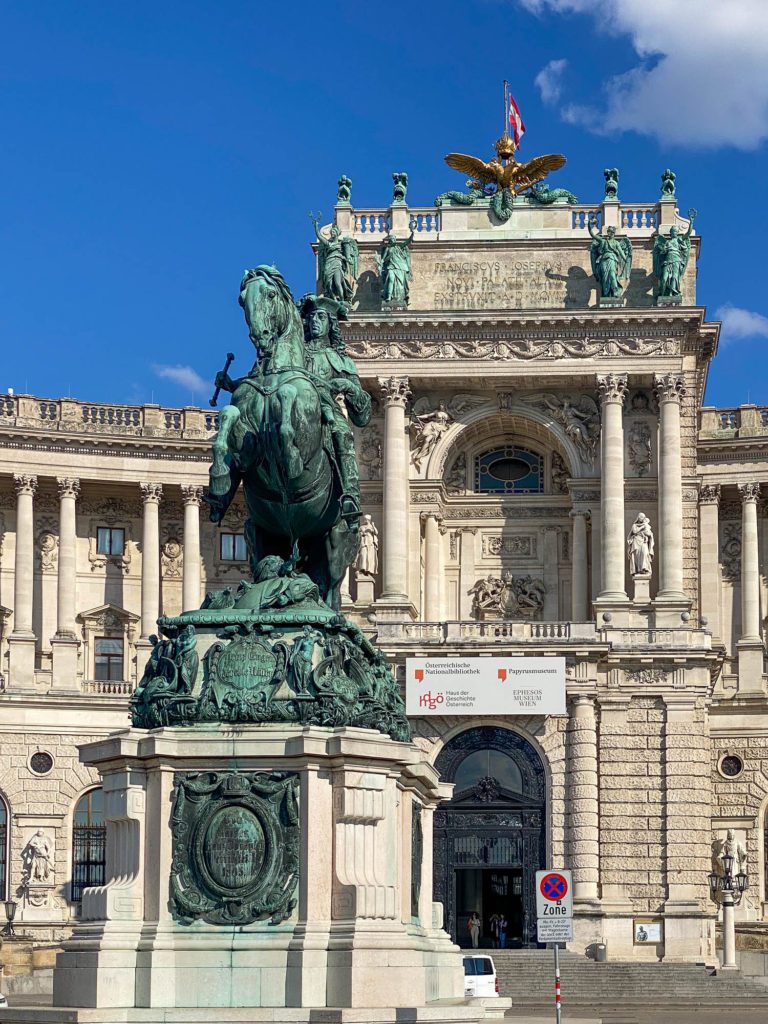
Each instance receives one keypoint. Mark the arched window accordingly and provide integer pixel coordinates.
(5, 824)
(88, 843)
(509, 470)
(488, 764)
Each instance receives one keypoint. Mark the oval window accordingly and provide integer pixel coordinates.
(509, 469)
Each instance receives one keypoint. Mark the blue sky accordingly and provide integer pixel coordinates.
(152, 151)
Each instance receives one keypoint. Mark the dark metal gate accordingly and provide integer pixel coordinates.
(488, 826)
(88, 858)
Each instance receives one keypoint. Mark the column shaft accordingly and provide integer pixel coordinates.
(395, 393)
(190, 584)
(66, 587)
(150, 558)
(709, 548)
(583, 798)
(579, 567)
(612, 390)
(466, 570)
(431, 612)
(25, 555)
(750, 564)
(669, 390)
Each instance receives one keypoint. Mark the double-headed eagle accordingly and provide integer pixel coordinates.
(510, 177)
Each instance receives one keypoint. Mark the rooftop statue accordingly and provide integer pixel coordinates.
(400, 180)
(542, 193)
(478, 193)
(338, 263)
(611, 175)
(668, 184)
(394, 262)
(670, 258)
(282, 652)
(344, 195)
(503, 174)
(611, 257)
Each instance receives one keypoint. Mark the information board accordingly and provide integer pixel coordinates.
(485, 686)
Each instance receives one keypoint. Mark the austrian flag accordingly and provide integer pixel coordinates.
(516, 121)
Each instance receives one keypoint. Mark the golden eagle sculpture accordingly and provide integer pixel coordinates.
(504, 173)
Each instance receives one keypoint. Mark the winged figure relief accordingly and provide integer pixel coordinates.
(428, 425)
(508, 176)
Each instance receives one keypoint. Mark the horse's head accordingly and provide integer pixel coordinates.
(268, 306)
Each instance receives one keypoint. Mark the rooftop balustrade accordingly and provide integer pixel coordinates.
(71, 416)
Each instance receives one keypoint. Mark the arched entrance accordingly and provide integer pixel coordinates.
(489, 839)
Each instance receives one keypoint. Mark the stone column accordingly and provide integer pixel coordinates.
(612, 388)
(709, 557)
(579, 566)
(395, 394)
(596, 549)
(151, 495)
(583, 799)
(669, 390)
(65, 644)
(750, 645)
(190, 583)
(466, 570)
(551, 610)
(431, 612)
(21, 642)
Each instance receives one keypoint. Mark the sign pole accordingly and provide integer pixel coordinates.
(557, 983)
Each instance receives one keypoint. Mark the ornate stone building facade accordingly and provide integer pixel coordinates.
(522, 429)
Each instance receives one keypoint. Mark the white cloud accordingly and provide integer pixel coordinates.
(184, 376)
(703, 76)
(549, 80)
(740, 323)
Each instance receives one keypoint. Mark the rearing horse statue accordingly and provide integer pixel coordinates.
(274, 438)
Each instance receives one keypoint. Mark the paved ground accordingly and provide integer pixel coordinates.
(634, 1015)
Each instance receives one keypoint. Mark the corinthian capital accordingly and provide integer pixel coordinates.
(395, 390)
(151, 493)
(709, 494)
(749, 492)
(192, 494)
(612, 387)
(69, 486)
(24, 483)
(669, 387)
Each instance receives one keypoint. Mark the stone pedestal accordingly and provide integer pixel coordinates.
(642, 588)
(260, 866)
(365, 589)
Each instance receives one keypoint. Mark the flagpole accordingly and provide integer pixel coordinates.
(506, 105)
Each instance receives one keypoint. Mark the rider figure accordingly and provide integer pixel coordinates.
(336, 374)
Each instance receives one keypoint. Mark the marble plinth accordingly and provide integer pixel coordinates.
(357, 928)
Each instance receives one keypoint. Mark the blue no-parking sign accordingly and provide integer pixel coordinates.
(554, 905)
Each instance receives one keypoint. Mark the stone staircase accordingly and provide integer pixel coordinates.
(617, 987)
(27, 968)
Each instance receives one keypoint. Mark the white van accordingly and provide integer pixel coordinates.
(480, 977)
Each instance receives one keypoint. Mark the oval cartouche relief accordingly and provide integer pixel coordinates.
(234, 847)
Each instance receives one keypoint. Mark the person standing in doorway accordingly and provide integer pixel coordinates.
(503, 925)
(474, 929)
(494, 922)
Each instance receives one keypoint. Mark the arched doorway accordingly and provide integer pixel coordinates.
(489, 839)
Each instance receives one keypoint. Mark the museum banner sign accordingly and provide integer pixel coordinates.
(485, 686)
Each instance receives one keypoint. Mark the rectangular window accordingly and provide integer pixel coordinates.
(233, 547)
(109, 657)
(110, 540)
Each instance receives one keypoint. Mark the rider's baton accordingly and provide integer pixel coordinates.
(230, 359)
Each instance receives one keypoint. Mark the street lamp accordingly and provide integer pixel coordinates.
(727, 889)
(10, 914)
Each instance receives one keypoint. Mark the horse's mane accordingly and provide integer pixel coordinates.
(273, 275)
